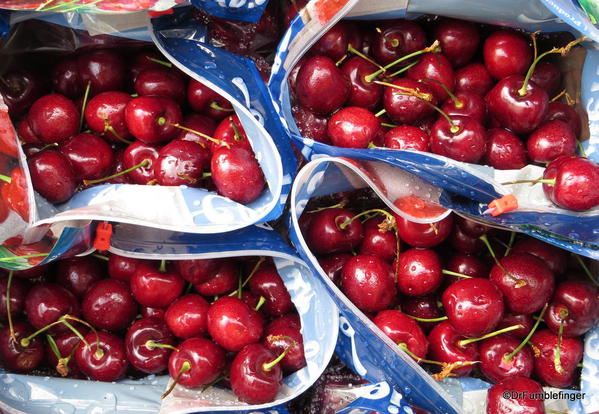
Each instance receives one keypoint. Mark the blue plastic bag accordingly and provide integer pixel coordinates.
(242, 10)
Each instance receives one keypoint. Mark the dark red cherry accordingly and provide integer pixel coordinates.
(575, 306)
(204, 100)
(109, 305)
(103, 358)
(144, 61)
(46, 302)
(224, 280)
(151, 119)
(53, 118)
(575, 183)
(197, 270)
(104, 70)
(121, 267)
(465, 243)
(495, 363)
(181, 163)
(66, 344)
(396, 39)
(418, 272)
(368, 282)
(402, 329)
(563, 112)
(267, 283)
(233, 324)
(352, 127)
(52, 176)
(327, 232)
(66, 79)
(473, 78)
(469, 104)
(280, 338)
(505, 151)
(510, 319)
(444, 346)
(519, 391)
(407, 137)
(554, 257)
(570, 355)
(311, 125)
(78, 274)
(333, 264)
(253, 379)
(547, 76)
(404, 108)
(18, 292)
(434, 66)
(15, 357)
(144, 154)
(162, 82)
(467, 143)
(425, 307)
(423, 235)
(379, 241)
(155, 288)
(140, 345)
(459, 40)
(205, 359)
(318, 74)
(20, 88)
(27, 135)
(90, 156)
(466, 264)
(506, 53)
(364, 94)
(105, 114)
(199, 123)
(551, 140)
(335, 41)
(149, 312)
(188, 316)
(237, 174)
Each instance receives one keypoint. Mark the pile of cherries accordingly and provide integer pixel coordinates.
(476, 94)
(458, 296)
(129, 121)
(239, 328)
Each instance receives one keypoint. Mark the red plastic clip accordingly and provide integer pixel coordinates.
(502, 205)
(103, 234)
(154, 14)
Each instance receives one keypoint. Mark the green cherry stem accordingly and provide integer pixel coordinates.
(511, 355)
(217, 107)
(26, 256)
(161, 62)
(162, 267)
(510, 243)
(465, 342)
(84, 104)
(456, 102)
(163, 121)
(404, 348)
(381, 112)
(586, 270)
(267, 366)
(152, 344)
(435, 48)
(404, 69)
(519, 282)
(261, 302)
(557, 361)
(440, 319)
(142, 164)
(456, 274)
(100, 256)
(11, 328)
(186, 366)
(550, 182)
(24, 342)
(388, 224)
(356, 52)
(5, 178)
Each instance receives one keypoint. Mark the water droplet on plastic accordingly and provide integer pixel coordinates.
(46, 378)
(131, 388)
(8, 379)
(407, 391)
(75, 385)
(574, 235)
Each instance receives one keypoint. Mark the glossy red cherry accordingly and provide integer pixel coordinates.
(188, 316)
(575, 306)
(510, 319)
(563, 112)
(103, 358)
(352, 127)
(279, 338)
(162, 82)
(468, 104)
(506, 53)
(505, 151)
(396, 39)
(319, 74)
(142, 156)
(149, 312)
(311, 125)
(204, 100)
(105, 114)
(418, 272)
(223, 281)
(459, 40)
(368, 282)
(78, 274)
(526, 282)
(20, 88)
(205, 362)
(495, 362)
(550, 141)
(570, 355)
(199, 123)
(407, 137)
(473, 78)
(230, 131)
(46, 302)
(333, 264)
(26, 134)
(444, 346)
(328, 234)
(104, 70)
(233, 324)
(423, 235)
(109, 305)
(335, 41)
(377, 242)
(425, 307)
(514, 388)
(121, 267)
(52, 176)
(462, 140)
(18, 292)
(143, 61)
(434, 66)
(402, 329)
(465, 243)
(547, 76)
(151, 119)
(237, 174)
(254, 379)
(90, 156)
(267, 283)
(53, 118)
(155, 287)
(554, 257)
(197, 270)
(363, 93)
(143, 345)
(16, 357)
(66, 79)
(181, 163)
(575, 183)
(405, 108)
(66, 345)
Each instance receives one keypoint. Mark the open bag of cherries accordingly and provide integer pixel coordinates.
(458, 297)
(101, 118)
(470, 92)
(238, 329)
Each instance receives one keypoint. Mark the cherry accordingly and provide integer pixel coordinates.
(230, 132)
(504, 151)
(423, 235)
(557, 360)
(148, 345)
(223, 281)
(566, 113)
(116, 172)
(102, 69)
(402, 329)
(333, 264)
(152, 119)
(46, 303)
(140, 158)
(506, 53)
(102, 356)
(318, 74)
(105, 114)
(335, 41)
(368, 282)
(53, 118)
(20, 88)
(286, 339)
(26, 134)
(187, 316)
(327, 232)
(255, 376)
(397, 39)
(237, 174)
(515, 387)
(407, 137)
(467, 104)
(570, 183)
(78, 274)
(406, 101)
(199, 123)
(437, 67)
(65, 345)
(197, 270)
(266, 282)
(17, 294)
(66, 79)
(364, 93)
(459, 40)
(90, 156)
(204, 100)
(422, 307)
(510, 319)
(161, 82)
(52, 176)
(148, 312)
(291, 320)
(197, 362)
(18, 358)
(526, 282)
(121, 267)
(378, 240)
(473, 78)
(574, 308)
(311, 125)
(143, 61)
(352, 127)
(233, 324)
(465, 243)
(554, 257)
(462, 139)
(155, 287)
(108, 304)
(445, 346)
(494, 364)
(418, 272)
(180, 163)
(547, 76)
(471, 228)
(550, 141)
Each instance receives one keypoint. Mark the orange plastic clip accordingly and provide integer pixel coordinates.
(103, 234)
(502, 205)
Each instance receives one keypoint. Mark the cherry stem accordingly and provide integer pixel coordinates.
(142, 164)
(76, 332)
(216, 381)
(100, 256)
(435, 48)
(519, 282)
(239, 286)
(559, 95)
(24, 342)
(387, 224)
(465, 342)
(53, 347)
(586, 270)
(247, 279)
(186, 366)
(449, 272)
(356, 52)
(217, 107)
(5, 178)
(457, 103)
(381, 112)
(43, 5)
(261, 302)
(385, 124)
(11, 328)
(533, 37)
(581, 149)
(109, 128)
(340, 61)
(162, 267)
(557, 361)
(510, 243)
(163, 121)
(561, 50)
(84, 104)
(512, 354)
(338, 205)
(62, 364)
(404, 69)
(161, 62)
(441, 319)
(541, 181)
(267, 366)
(26, 256)
(236, 132)
(99, 353)
(150, 344)
(404, 348)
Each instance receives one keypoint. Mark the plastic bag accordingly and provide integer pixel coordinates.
(470, 187)
(242, 10)
(318, 315)
(367, 350)
(89, 6)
